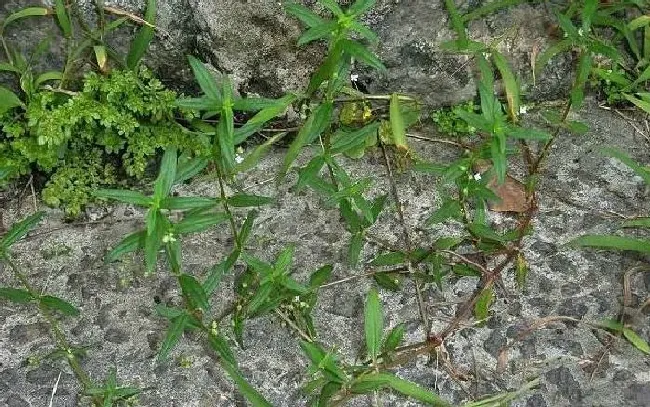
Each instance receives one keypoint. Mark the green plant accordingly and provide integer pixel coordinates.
(449, 122)
(52, 308)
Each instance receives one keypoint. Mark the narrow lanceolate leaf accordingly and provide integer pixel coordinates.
(193, 292)
(205, 79)
(588, 12)
(157, 226)
(482, 306)
(7, 67)
(199, 222)
(57, 304)
(450, 209)
(613, 243)
(199, 104)
(129, 244)
(510, 83)
(456, 20)
(243, 200)
(374, 324)
(354, 248)
(362, 54)
(317, 122)
(364, 31)
(187, 202)
(248, 391)
(123, 195)
(640, 170)
(8, 100)
(143, 38)
(20, 229)
(636, 340)
(641, 104)
(173, 335)
(320, 276)
(359, 7)
(15, 295)
(637, 223)
(219, 344)
(174, 257)
(394, 338)
(256, 122)
(549, 53)
(413, 390)
(253, 158)
(389, 259)
(397, 123)
(167, 174)
(226, 129)
(303, 14)
(188, 168)
(24, 13)
(344, 141)
(48, 76)
(318, 32)
(333, 6)
(582, 74)
(62, 18)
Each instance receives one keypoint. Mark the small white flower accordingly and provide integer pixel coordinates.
(168, 238)
(354, 77)
(477, 177)
(239, 159)
(523, 109)
(580, 32)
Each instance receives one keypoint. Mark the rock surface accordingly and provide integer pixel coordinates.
(256, 43)
(580, 190)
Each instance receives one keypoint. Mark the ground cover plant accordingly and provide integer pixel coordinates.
(128, 123)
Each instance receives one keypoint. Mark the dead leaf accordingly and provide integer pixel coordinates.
(512, 192)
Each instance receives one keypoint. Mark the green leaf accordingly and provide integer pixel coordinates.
(48, 76)
(465, 270)
(550, 52)
(247, 227)
(582, 74)
(129, 244)
(577, 127)
(641, 104)
(588, 12)
(167, 174)
(193, 292)
(169, 312)
(369, 383)
(20, 229)
(485, 232)
(8, 100)
(326, 69)
(253, 158)
(204, 103)
(156, 228)
(318, 32)
(199, 222)
(510, 83)
(374, 324)
(261, 296)
(256, 122)
(638, 22)
(320, 276)
(406, 388)
(360, 7)
(57, 304)
(245, 201)
(220, 345)
(483, 302)
(637, 222)
(123, 195)
(364, 31)
(143, 38)
(636, 340)
(389, 259)
(62, 18)
(397, 125)
(527, 133)
(611, 325)
(174, 257)
(205, 80)
(489, 8)
(7, 67)
(187, 202)
(16, 295)
(456, 20)
(394, 338)
(612, 243)
(354, 249)
(450, 209)
(333, 6)
(304, 14)
(641, 171)
(226, 129)
(362, 54)
(24, 13)
(388, 281)
(252, 104)
(316, 124)
(248, 391)
(343, 141)
(188, 168)
(173, 335)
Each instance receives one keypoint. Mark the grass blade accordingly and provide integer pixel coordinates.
(205, 79)
(510, 83)
(167, 174)
(199, 223)
(145, 35)
(636, 340)
(304, 14)
(15, 295)
(362, 54)
(374, 324)
(248, 391)
(456, 20)
(173, 335)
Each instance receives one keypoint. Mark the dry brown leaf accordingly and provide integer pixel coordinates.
(512, 192)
